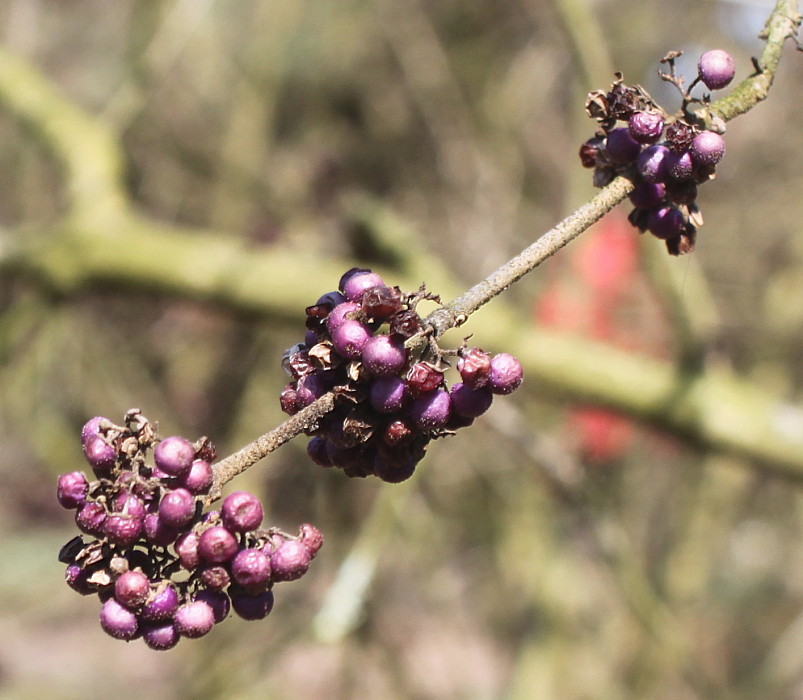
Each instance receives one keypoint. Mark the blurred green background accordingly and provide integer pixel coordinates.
(180, 179)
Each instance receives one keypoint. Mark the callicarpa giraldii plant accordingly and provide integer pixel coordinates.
(370, 385)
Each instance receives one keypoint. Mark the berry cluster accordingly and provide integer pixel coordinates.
(163, 568)
(666, 156)
(367, 343)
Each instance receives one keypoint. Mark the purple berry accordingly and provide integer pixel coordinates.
(218, 601)
(288, 400)
(707, 148)
(289, 561)
(100, 455)
(311, 537)
(651, 163)
(357, 283)
(162, 603)
(241, 512)
(393, 470)
(469, 402)
(157, 531)
(716, 69)
(251, 607)
(217, 545)
(342, 312)
(90, 518)
(330, 299)
(431, 410)
(349, 338)
(174, 455)
(622, 148)
(679, 165)
(123, 530)
(665, 223)
(387, 394)
(78, 579)
(177, 508)
(506, 374)
(383, 355)
(682, 192)
(92, 427)
(646, 127)
(216, 577)
(318, 451)
(251, 569)
(309, 388)
(198, 479)
(129, 504)
(647, 195)
(72, 489)
(117, 621)
(187, 550)
(132, 589)
(194, 619)
(160, 636)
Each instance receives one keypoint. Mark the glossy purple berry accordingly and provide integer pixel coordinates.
(160, 636)
(431, 410)
(174, 455)
(359, 282)
(648, 195)
(100, 455)
(469, 402)
(217, 545)
(707, 148)
(393, 470)
(132, 589)
(387, 394)
(251, 607)
(716, 69)
(289, 561)
(679, 166)
(651, 163)
(311, 537)
(349, 338)
(177, 508)
(187, 550)
(72, 489)
(118, 621)
(92, 427)
(90, 518)
(157, 531)
(665, 223)
(342, 312)
(161, 604)
(506, 374)
(218, 601)
(622, 148)
(241, 511)
(250, 568)
(194, 619)
(123, 530)
(198, 479)
(383, 355)
(129, 504)
(646, 127)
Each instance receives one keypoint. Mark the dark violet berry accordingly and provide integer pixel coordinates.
(506, 374)
(177, 508)
(679, 165)
(289, 561)
(123, 530)
(318, 451)
(647, 195)
(99, 454)
(383, 355)
(251, 569)
(469, 402)
(198, 479)
(387, 394)
(78, 579)
(157, 531)
(218, 601)
(665, 223)
(422, 378)
(311, 537)
(241, 512)
(194, 619)
(90, 518)
(251, 607)
(174, 455)
(132, 589)
(162, 603)
(357, 283)
(681, 192)
(216, 577)
(160, 636)
(707, 148)
(288, 400)
(622, 148)
(217, 545)
(187, 550)
(309, 388)
(381, 302)
(117, 621)
(474, 367)
(330, 299)
(646, 127)
(651, 163)
(92, 427)
(349, 338)
(342, 312)
(72, 489)
(716, 69)
(431, 410)
(391, 470)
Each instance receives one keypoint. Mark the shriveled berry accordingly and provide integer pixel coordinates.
(646, 127)
(251, 569)
(397, 432)
(217, 545)
(118, 621)
(241, 511)
(194, 619)
(707, 148)
(177, 508)
(588, 152)
(289, 561)
(381, 302)
(474, 367)
(423, 378)
(405, 324)
(132, 589)
(90, 518)
(72, 489)
(215, 576)
(251, 607)
(174, 455)
(679, 135)
(311, 537)
(288, 399)
(716, 69)
(506, 374)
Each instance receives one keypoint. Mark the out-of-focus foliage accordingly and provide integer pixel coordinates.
(553, 550)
